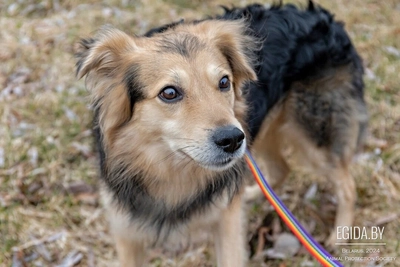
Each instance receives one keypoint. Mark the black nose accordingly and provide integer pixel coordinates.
(229, 138)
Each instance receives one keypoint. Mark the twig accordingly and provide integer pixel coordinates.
(39, 241)
(384, 220)
(262, 232)
(72, 259)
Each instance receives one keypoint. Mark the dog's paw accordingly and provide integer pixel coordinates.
(331, 242)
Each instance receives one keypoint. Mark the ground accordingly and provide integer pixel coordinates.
(49, 208)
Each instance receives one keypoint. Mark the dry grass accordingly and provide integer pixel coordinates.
(49, 211)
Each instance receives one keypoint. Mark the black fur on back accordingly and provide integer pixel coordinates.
(297, 45)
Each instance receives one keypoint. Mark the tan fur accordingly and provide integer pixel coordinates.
(230, 236)
(160, 134)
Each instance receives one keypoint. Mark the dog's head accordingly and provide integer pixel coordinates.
(173, 96)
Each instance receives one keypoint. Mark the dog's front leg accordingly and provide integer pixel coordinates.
(229, 236)
(131, 253)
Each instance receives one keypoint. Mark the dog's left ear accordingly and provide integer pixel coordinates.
(237, 45)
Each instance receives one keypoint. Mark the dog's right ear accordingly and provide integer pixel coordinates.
(102, 53)
(107, 61)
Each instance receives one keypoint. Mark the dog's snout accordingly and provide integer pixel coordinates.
(228, 138)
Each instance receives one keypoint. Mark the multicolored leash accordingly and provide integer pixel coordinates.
(305, 238)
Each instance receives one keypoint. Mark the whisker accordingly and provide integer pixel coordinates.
(182, 138)
(172, 153)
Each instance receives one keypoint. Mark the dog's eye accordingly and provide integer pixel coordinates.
(224, 84)
(170, 94)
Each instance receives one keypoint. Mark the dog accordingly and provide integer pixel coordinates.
(176, 108)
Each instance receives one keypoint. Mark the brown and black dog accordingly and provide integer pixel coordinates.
(175, 109)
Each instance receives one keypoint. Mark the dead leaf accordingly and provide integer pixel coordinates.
(82, 149)
(311, 192)
(374, 142)
(392, 51)
(17, 260)
(370, 75)
(79, 187)
(2, 157)
(33, 155)
(44, 252)
(88, 198)
(286, 246)
(91, 259)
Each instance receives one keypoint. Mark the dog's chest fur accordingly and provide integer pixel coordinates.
(158, 225)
